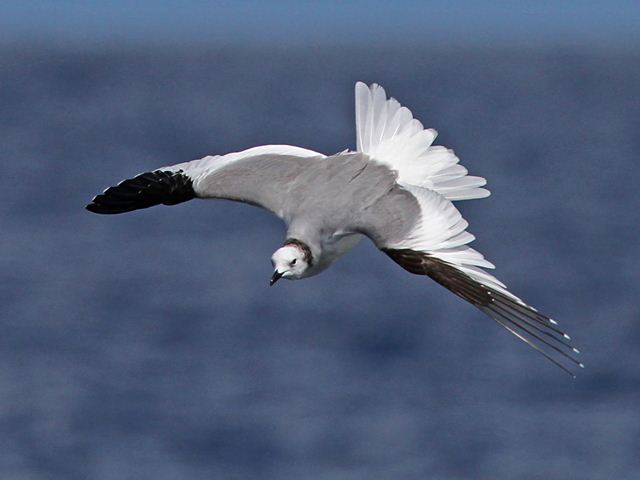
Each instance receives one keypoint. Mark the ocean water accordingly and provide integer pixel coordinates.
(149, 345)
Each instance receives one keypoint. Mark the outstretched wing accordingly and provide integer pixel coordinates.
(388, 133)
(434, 241)
(258, 176)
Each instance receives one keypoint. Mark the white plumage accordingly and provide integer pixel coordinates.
(388, 133)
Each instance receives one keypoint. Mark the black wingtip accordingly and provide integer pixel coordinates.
(95, 207)
(143, 191)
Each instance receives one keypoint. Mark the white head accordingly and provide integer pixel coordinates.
(290, 261)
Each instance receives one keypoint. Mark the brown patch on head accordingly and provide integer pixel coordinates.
(306, 251)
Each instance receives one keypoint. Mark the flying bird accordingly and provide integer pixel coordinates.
(397, 189)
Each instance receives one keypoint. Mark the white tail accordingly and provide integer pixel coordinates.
(388, 133)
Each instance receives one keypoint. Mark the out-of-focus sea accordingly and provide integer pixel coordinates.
(149, 345)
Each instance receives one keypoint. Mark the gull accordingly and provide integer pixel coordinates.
(397, 189)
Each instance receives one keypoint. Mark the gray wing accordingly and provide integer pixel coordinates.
(263, 181)
(258, 176)
(326, 192)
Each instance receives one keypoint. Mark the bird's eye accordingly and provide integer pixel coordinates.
(293, 262)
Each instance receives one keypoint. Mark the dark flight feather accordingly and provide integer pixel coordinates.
(523, 321)
(143, 191)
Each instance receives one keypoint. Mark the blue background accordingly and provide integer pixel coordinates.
(149, 345)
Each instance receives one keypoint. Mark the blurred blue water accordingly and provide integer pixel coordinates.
(149, 345)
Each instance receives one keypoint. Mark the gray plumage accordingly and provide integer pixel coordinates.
(319, 198)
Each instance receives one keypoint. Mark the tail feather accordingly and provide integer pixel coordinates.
(388, 133)
(143, 191)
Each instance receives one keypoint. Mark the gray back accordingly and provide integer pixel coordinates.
(319, 196)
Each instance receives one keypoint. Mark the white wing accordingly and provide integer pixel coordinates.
(388, 133)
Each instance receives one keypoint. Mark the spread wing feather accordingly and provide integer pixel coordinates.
(388, 133)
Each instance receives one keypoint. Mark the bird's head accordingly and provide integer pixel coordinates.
(290, 261)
